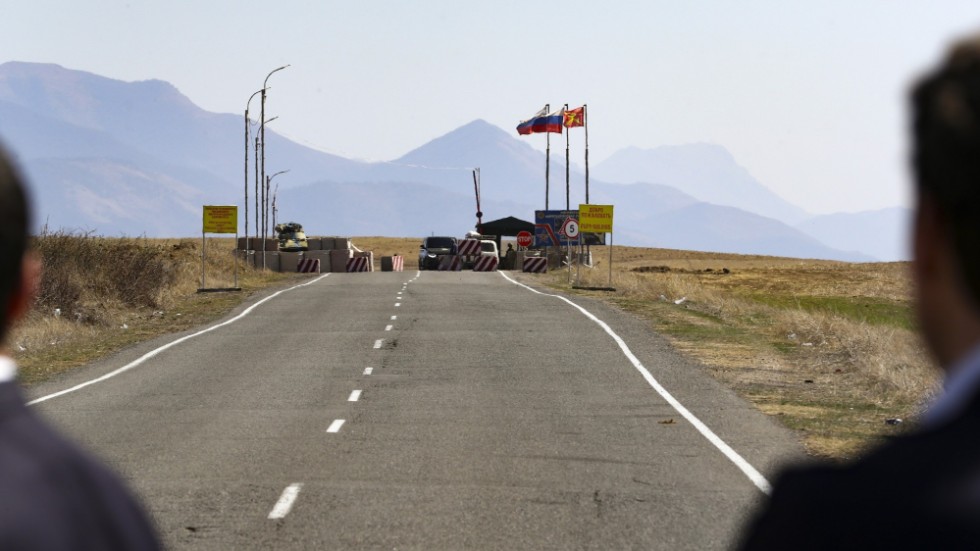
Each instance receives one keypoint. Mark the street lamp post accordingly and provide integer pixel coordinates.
(265, 206)
(265, 85)
(246, 166)
(275, 210)
(268, 183)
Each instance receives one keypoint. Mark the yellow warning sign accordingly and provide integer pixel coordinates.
(595, 218)
(220, 219)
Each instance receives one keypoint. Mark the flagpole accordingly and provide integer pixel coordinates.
(547, 160)
(585, 120)
(567, 200)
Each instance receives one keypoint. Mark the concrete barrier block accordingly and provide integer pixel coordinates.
(271, 260)
(369, 256)
(289, 262)
(270, 245)
(322, 256)
(250, 244)
(314, 243)
(392, 263)
(338, 260)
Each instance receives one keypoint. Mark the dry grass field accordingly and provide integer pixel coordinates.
(98, 295)
(828, 347)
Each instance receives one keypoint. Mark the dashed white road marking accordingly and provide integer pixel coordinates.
(368, 370)
(389, 327)
(378, 343)
(733, 456)
(397, 304)
(335, 426)
(354, 396)
(393, 318)
(171, 344)
(285, 503)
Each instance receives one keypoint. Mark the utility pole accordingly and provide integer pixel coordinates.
(246, 166)
(265, 86)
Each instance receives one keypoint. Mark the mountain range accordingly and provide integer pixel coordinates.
(140, 158)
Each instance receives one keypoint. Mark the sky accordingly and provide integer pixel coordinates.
(809, 97)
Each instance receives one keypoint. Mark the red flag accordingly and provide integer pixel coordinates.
(575, 117)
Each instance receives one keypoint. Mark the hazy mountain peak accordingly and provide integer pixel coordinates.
(470, 144)
(708, 172)
(83, 98)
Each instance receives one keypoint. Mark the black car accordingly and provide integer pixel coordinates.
(434, 247)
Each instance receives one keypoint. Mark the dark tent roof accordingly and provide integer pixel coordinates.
(507, 227)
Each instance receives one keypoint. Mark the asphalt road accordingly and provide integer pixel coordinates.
(423, 410)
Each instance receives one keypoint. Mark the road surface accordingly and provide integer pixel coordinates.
(430, 410)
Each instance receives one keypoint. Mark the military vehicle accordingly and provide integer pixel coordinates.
(292, 238)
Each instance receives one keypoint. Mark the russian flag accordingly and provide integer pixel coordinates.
(542, 121)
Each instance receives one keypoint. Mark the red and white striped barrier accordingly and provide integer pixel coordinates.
(308, 266)
(358, 264)
(535, 264)
(468, 247)
(486, 264)
(398, 263)
(450, 263)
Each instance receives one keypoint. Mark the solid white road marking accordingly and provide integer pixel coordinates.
(388, 327)
(354, 396)
(378, 343)
(368, 370)
(171, 344)
(740, 462)
(286, 501)
(335, 426)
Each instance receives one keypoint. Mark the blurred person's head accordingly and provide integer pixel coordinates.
(17, 271)
(946, 162)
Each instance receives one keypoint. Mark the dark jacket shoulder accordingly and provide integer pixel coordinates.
(56, 496)
(921, 490)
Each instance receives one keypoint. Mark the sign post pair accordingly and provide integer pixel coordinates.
(598, 219)
(218, 219)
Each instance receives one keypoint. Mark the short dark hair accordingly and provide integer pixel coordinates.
(14, 226)
(946, 154)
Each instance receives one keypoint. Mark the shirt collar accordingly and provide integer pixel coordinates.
(960, 386)
(8, 369)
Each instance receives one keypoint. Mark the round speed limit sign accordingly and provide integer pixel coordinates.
(570, 228)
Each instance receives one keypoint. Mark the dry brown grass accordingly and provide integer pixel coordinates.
(828, 347)
(98, 295)
(390, 246)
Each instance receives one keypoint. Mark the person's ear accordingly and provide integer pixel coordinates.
(24, 294)
(926, 239)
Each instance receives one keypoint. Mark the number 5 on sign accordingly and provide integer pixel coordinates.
(570, 228)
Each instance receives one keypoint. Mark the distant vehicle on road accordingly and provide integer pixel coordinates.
(292, 238)
(488, 247)
(433, 248)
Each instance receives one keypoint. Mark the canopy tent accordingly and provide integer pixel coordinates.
(506, 227)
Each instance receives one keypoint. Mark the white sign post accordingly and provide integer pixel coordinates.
(598, 219)
(570, 229)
